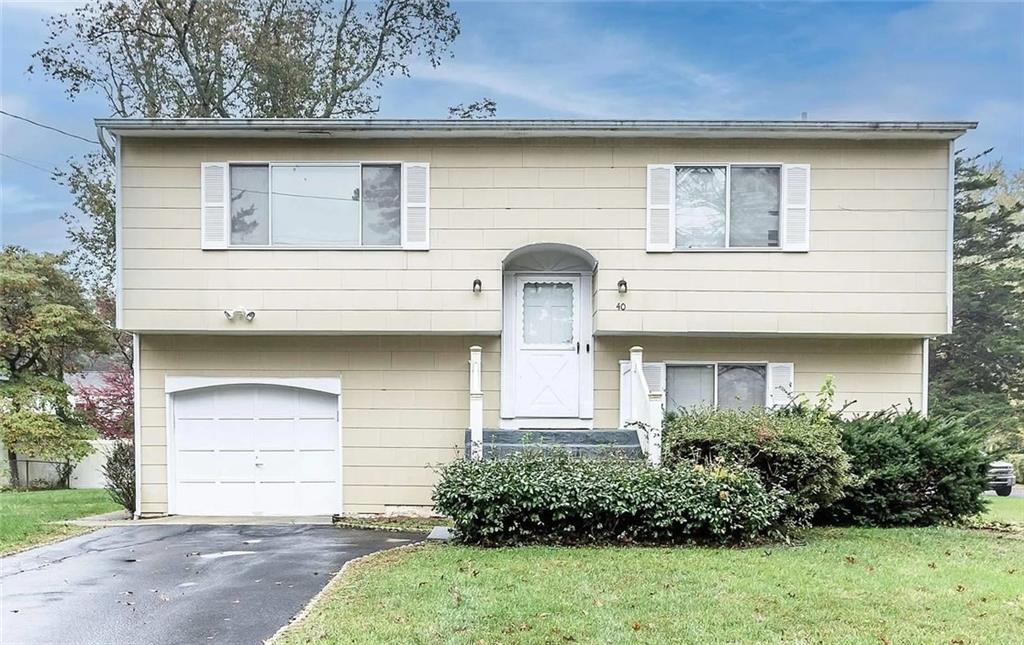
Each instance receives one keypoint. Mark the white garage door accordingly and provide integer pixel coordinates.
(255, 450)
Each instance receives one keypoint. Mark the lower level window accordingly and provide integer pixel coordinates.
(734, 386)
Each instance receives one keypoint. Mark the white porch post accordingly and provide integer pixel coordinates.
(647, 407)
(476, 405)
(656, 417)
(638, 396)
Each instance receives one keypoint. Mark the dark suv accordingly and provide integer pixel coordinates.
(1001, 478)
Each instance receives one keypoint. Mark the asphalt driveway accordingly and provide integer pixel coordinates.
(174, 584)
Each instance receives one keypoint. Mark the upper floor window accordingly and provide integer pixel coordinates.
(727, 206)
(341, 205)
(699, 207)
(333, 205)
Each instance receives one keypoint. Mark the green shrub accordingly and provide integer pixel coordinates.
(796, 451)
(551, 497)
(908, 469)
(1017, 459)
(119, 470)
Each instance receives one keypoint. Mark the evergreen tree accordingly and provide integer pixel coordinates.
(978, 370)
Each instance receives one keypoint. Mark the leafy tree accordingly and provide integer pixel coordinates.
(223, 58)
(242, 58)
(109, 407)
(978, 370)
(91, 184)
(37, 420)
(485, 108)
(47, 325)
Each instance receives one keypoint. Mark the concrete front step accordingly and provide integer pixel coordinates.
(581, 443)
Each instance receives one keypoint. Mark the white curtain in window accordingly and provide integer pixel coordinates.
(741, 387)
(547, 313)
(382, 205)
(700, 207)
(690, 386)
(754, 206)
(250, 205)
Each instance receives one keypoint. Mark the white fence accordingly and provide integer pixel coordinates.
(88, 473)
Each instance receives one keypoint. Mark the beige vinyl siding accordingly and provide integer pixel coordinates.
(405, 399)
(870, 374)
(877, 264)
(405, 403)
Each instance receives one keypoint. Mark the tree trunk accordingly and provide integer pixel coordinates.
(12, 462)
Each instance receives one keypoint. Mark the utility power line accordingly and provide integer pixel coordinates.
(49, 127)
(27, 163)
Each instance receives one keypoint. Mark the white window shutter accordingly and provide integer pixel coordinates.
(655, 375)
(780, 384)
(214, 201)
(661, 221)
(416, 206)
(796, 208)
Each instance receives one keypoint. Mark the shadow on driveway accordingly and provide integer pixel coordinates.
(174, 584)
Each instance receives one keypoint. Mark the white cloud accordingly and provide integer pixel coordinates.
(18, 199)
(45, 7)
(547, 57)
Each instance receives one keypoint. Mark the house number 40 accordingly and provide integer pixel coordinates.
(621, 306)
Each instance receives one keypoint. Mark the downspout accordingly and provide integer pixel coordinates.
(137, 416)
(100, 136)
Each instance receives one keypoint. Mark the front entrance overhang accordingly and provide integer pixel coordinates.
(550, 257)
(547, 374)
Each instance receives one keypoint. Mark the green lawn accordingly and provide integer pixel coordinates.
(25, 516)
(1005, 509)
(843, 585)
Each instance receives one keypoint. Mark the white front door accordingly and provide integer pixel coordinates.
(255, 450)
(548, 346)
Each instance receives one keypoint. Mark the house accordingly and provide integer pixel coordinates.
(324, 309)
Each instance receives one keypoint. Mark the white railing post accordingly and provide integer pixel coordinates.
(647, 407)
(656, 416)
(638, 398)
(476, 404)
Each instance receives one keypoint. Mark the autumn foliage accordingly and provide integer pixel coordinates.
(110, 406)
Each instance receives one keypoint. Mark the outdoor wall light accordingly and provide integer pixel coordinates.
(477, 286)
(623, 287)
(247, 314)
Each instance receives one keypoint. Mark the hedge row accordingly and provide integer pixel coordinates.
(910, 470)
(552, 497)
(798, 456)
(728, 476)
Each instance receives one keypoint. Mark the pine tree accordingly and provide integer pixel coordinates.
(978, 370)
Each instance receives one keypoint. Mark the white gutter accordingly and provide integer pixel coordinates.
(427, 128)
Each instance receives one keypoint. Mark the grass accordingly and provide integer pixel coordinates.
(27, 515)
(1009, 510)
(842, 585)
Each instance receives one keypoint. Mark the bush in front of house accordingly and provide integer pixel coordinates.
(119, 471)
(911, 470)
(795, 450)
(1017, 459)
(551, 497)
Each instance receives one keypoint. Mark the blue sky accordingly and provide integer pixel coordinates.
(772, 60)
